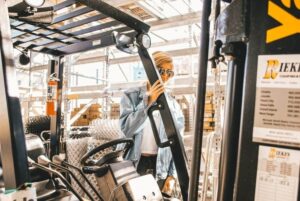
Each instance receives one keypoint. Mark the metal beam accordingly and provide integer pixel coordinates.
(65, 27)
(178, 90)
(56, 20)
(63, 5)
(176, 21)
(37, 35)
(173, 53)
(79, 33)
(116, 14)
(158, 13)
(95, 41)
(147, 10)
(96, 57)
(185, 84)
(181, 81)
(119, 92)
(100, 58)
(121, 2)
(187, 19)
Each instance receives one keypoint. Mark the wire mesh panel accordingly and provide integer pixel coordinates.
(102, 131)
(37, 124)
(105, 129)
(76, 148)
(91, 144)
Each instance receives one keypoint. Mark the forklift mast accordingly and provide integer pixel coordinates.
(270, 116)
(260, 157)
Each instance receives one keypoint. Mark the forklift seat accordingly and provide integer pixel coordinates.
(35, 148)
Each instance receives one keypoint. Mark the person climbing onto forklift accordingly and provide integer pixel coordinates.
(134, 122)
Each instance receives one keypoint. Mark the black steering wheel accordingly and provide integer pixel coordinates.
(109, 156)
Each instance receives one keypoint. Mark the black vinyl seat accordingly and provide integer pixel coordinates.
(40, 179)
(35, 148)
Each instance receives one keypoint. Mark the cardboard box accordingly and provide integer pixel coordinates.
(95, 106)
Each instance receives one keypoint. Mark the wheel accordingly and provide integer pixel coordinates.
(109, 156)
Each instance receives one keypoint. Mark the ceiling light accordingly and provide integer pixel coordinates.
(24, 59)
(125, 43)
(144, 40)
(35, 3)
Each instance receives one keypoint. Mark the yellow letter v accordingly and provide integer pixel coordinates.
(289, 24)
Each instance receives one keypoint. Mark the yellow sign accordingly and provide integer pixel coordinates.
(288, 3)
(278, 153)
(272, 153)
(290, 24)
(271, 69)
(275, 67)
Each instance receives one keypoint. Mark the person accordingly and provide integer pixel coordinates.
(134, 123)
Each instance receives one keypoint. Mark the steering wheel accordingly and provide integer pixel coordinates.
(107, 157)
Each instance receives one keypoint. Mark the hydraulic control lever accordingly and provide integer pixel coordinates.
(45, 161)
(61, 161)
(54, 172)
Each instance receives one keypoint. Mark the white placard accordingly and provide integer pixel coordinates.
(277, 103)
(277, 174)
(29, 194)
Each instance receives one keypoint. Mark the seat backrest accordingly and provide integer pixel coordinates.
(35, 146)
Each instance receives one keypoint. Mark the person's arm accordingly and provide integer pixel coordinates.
(132, 117)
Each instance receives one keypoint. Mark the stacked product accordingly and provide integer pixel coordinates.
(209, 120)
(115, 111)
(185, 107)
(92, 112)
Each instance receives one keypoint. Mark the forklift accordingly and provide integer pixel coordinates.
(260, 156)
(129, 35)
